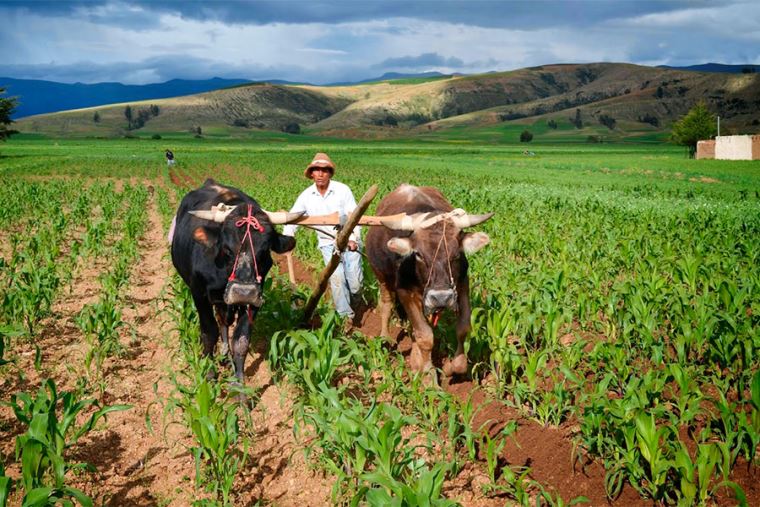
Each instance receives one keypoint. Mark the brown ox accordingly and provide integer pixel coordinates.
(421, 260)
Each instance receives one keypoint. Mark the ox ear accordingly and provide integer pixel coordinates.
(400, 246)
(474, 241)
(205, 237)
(282, 244)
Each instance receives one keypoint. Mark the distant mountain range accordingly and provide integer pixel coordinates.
(569, 101)
(38, 97)
(718, 67)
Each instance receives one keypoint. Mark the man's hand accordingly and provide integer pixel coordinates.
(353, 246)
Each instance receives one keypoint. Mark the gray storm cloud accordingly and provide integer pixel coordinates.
(138, 42)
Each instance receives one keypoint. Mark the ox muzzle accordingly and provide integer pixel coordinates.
(437, 300)
(237, 293)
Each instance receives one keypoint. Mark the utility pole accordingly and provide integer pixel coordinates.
(718, 126)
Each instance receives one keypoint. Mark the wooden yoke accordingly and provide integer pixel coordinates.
(334, 219)
(340, 245)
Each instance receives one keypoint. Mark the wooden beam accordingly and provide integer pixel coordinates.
(340, 245)
(334, 219)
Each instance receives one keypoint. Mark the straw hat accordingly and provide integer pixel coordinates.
(320, 160)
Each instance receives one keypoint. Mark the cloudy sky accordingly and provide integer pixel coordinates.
(138, 42)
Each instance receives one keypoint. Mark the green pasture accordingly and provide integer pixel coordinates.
(615, 167)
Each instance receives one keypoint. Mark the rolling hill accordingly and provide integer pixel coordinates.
(614, 99)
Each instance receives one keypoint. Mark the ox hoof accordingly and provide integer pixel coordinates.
(456, 366)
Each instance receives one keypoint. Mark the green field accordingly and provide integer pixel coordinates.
(620, 296)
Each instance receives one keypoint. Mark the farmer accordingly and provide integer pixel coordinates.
(169, 157)
(326, 196)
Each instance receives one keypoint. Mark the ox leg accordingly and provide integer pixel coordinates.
(224, 327)
(386, 305)
(458, 365)
(421, 357)
(240, 343)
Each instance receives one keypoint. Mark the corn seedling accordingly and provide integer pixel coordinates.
(42, 448)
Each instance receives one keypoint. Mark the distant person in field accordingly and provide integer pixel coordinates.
(169, 157)
(326, 196)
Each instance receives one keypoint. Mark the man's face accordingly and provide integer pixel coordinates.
(321, 176)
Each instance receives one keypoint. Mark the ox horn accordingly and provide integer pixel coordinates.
(283, 217)
(465, 221)
(404, 223)
(217, 213)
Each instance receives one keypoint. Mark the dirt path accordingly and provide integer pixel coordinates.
(147, 468)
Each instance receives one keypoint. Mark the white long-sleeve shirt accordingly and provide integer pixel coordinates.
(338, 197)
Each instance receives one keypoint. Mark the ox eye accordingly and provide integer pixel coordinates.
(418, 256)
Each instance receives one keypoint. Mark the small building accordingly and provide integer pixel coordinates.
(705, 149)
(746, 147)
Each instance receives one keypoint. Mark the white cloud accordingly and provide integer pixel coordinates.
(323, 51)
(737, 20)
(146, 46)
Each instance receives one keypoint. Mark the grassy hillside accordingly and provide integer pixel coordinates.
(563, 102)
(259, 106)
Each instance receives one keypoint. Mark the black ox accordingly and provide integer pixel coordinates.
(221, 244)
(421, 260)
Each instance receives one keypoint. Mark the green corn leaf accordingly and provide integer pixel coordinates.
(6, 483)
(739, 495)
(755, 391)
(31, 458)
(84, 500)
(37, 497)
(38, 428)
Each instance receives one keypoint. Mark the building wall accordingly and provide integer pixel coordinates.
(737, 147)
(705, 149)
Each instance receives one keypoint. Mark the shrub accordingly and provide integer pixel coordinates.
(650, 119)
(551, 124)
(577, 121)
(526, 136)
(155, 136)
(292, 128)
(607, 121)
(699, 123)
(594, 139)
(511, 116)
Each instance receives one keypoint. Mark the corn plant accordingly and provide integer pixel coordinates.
(212, 417)
(6, 485)
(7, 332)
(51, 431)
(649, 439)
(492, 447)
(100, 323)
(312, 357)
